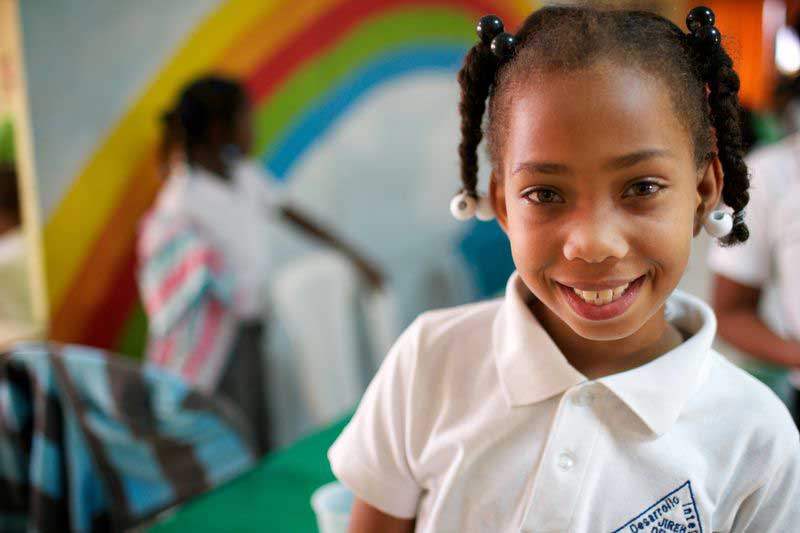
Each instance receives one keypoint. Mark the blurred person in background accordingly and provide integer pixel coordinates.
(15, 302)
(787, 103)
(204, 249)
(768, 261)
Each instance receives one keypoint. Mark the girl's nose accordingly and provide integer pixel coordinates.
(594, 237)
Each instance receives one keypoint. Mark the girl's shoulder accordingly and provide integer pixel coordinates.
(455, 325)
(754, 408)
(257, 185)
(436, 339)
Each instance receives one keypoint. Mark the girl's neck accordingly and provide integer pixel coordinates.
(595, 359)
(211, 161)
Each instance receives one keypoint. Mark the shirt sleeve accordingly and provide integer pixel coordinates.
(749, 263)
(256, 181)
(775, 507)
(370, 457)
(179, 274)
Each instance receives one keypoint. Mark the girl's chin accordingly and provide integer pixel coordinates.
(606, 332)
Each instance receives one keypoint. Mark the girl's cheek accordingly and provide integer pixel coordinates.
(665, 237)
(532, 233)
(663, 219)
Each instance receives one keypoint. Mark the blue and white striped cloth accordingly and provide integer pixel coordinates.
(92, 442)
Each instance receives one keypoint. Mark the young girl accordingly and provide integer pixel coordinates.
(205, 249)
(589, 399)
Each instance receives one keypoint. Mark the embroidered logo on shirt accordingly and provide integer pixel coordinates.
(674, 513)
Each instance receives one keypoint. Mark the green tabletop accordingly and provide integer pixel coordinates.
(274, 496)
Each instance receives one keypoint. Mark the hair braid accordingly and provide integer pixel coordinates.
(475, 79)
(171, 138)
(203, 102)
(723, 83)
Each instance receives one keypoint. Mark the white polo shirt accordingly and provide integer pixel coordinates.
(477, 422)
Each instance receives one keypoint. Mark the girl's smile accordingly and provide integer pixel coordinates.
(604, 301)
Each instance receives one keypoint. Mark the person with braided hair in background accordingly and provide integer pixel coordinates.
(589, 398)
(756, 290)
(207, 250)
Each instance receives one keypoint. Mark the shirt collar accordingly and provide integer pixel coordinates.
(658, 391)
(532, 368)
(530, 365)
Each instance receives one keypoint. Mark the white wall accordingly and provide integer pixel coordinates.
(85, 61)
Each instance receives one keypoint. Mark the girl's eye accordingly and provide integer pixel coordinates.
(543, 196)
(643, 188)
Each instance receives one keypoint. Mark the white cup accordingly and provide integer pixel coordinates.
(332, 504)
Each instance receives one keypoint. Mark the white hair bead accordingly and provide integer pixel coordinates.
(718, 224)
(484, 211)
(463, 206)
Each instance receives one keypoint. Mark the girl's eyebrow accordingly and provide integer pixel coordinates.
(629, 160)
(616, 163)
(541, 167)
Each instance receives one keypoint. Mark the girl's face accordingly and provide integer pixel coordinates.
(599, 193)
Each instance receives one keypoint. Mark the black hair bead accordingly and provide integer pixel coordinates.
(489, 27)
(504, 45)
(709, 36)
(700, 17)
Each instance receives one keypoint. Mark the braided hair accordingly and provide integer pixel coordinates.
(697, 72)
(475, 79)
(204, 102)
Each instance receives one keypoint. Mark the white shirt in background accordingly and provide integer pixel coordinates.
(770, 258)
(477, 423)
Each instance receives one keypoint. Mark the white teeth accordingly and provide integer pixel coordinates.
(602, 297)
(606, 295)
(619, 290)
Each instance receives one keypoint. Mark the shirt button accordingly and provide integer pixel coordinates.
(565, 461)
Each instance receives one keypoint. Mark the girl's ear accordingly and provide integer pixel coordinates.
(709, 191)
(497, 197)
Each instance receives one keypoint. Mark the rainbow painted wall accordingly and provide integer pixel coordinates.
(305, 64)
